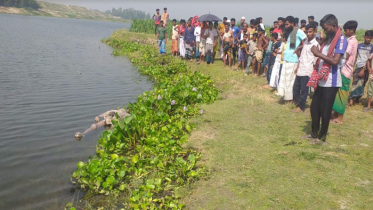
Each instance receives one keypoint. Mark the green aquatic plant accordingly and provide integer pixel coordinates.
(142, 156)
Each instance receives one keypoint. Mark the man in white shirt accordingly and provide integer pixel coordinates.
(197, 34)
(304, 69)
(211, 34)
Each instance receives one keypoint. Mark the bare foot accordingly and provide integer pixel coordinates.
(297, 110)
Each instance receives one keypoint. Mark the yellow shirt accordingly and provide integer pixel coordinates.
(221, 27)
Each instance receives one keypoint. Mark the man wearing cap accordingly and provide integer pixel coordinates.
(165, 17)
(242, 22)
(157, 19)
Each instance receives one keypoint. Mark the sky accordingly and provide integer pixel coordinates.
(269, 10)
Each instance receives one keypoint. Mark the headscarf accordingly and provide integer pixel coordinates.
(195, 21)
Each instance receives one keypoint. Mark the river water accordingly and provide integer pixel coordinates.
(55, 77)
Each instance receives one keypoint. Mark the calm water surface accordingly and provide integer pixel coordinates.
(44, 101)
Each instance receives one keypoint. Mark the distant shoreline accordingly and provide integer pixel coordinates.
(63, 11)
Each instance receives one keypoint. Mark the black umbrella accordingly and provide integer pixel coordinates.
(209, 18)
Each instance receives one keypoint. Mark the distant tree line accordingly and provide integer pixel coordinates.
(20, 3)
(129, 14)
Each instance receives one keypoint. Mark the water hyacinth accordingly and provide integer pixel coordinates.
(194, 89)
(159, 97)
(201, 111)
(173, 102)
(184, 108)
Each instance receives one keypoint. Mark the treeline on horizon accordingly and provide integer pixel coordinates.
(20, 3)
(129, 14)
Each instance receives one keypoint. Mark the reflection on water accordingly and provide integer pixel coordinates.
(55, 77)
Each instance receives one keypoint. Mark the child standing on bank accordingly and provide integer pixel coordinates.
(361, 73)
(305, 67)
(243, 51)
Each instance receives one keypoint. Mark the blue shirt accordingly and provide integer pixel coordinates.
(363, 53)
(269, 48)
(289, 55)
(189, 35)
(235, 30)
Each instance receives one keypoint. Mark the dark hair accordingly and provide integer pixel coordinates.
(252, 21)
(316, 23)
(225, 18)
(351, 24)
(311, 25)
(256, 22)
(182, 21)
(233, 19)
(216, 23)
(174, 20)
(296, 20)
(165, 8)
(303, 21)
(369, 33)
(274, 35)
(275, 21)
(290, 19)
(329, 19)
(281, 18)
(157, 10)
(311, 17)
(255, 34)
(260, 18)
(271, 29)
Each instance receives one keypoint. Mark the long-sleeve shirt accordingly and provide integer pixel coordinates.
(189, 35)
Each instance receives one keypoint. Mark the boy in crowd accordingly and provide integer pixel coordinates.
(268, 53)
(197, 34)
(251, 47)
(221, 29)
(236, 30)
(227, 38)
(243, 52)
(175, 37)
(304, 69)
(341, 99)
(277, 52)
(211, 36)
(272, 58)
(311, 19)
(361, 73)
(216, 45)
(162, 38)
(303, 25)
(157, 18)
(262, 43)
(253, 28)
(165, 17)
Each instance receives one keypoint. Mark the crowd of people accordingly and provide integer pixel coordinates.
(296, 60)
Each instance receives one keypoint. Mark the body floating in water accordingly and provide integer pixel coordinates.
(108, 117)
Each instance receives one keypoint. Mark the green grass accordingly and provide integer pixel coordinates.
(253, 149)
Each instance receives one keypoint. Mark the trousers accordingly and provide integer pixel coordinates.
(321, 109)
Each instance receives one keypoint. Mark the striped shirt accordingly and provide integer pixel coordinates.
(335, 79)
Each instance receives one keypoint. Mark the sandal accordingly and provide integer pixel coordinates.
(365, 109)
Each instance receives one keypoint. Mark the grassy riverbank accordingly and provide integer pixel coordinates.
(251, 145)
(62, 11)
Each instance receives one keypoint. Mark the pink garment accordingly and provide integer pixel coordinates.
(195, 22)
(348, 67)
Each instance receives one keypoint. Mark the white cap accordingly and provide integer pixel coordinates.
(243, 18)
(228, 21)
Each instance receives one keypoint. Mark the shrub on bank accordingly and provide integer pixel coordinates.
(142, 156)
